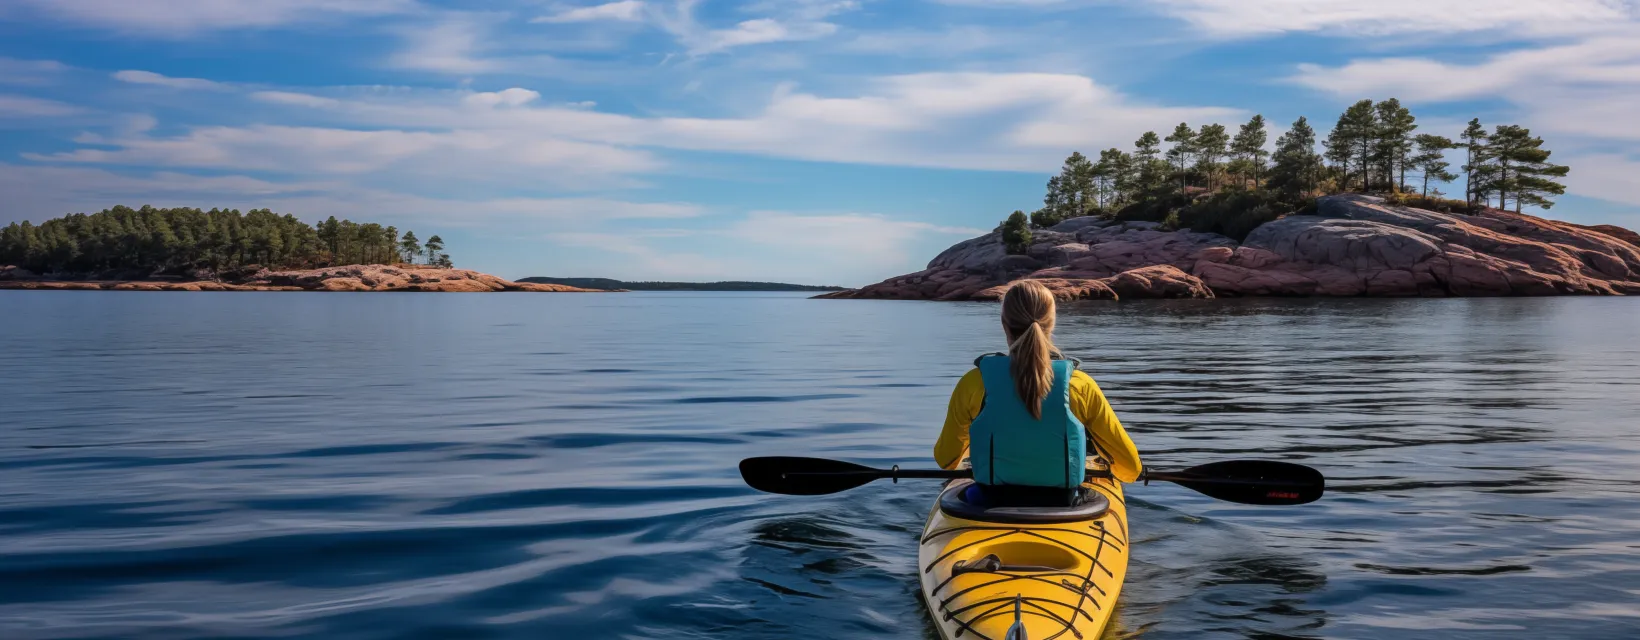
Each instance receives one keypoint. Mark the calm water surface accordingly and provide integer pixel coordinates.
(562, 466)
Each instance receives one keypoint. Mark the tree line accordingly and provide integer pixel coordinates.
(1209, 179)
(184, 241)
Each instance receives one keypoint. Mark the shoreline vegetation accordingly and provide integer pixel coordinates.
(1209, 181)
(608, 284)
(184, 249)
(123, 243)
(1357, 214)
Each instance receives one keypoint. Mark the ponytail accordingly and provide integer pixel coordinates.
(1028, 319)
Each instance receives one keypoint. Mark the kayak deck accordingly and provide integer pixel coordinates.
(1065, 576)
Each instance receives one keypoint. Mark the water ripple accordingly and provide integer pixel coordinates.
(364, 467)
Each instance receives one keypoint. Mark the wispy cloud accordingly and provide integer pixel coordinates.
(795, 20)
(30, 72)
(1596, 61)
(622, 11)
(64, 189)
(16, 106)
(1386, 17)
(151, 78)
(449, 157)
(174, 18)
(448, 46)
(1006, 121)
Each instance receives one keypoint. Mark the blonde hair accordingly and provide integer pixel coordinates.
(1027, 319)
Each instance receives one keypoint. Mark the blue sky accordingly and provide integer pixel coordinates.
(814, 141)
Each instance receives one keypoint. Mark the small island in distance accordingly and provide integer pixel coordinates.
(608, 284)
(186, 249)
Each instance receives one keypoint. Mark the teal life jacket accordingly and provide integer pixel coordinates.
(1009, 447)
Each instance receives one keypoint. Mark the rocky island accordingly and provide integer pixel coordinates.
(1208, 217)
(1352, 245)
(359, 277)
(183, 249)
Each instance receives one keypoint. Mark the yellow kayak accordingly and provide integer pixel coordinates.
(1055, 572)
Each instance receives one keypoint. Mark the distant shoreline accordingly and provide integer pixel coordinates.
(347, 278)
(609, 284)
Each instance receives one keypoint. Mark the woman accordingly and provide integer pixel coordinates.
(1024, 417)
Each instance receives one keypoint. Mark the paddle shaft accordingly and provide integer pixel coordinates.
(896, 473)
(1259, 482)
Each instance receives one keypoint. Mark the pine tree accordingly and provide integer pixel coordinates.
(1072, 193)
(1297, 166)
(1431, 159)
(1182, 151)
(1352, 140)
(1524, 172)
(1115, 177)
(1477, 145)
(1150, 169)
(1016, 233)
(1394, 143)
(1212, 143)
(1248, 146)
(409, 247)
(434, 247)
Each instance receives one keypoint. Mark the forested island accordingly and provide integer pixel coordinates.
(184, 249)
(1357, 214)
(127, 243)
(607, 284)
(1209, 180)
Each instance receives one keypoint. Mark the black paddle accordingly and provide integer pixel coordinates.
(1261, 482)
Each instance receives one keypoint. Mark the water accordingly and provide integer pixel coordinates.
(562, 466)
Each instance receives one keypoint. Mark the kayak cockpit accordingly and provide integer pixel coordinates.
(963, 499)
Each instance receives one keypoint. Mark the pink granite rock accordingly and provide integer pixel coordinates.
(1355, 246)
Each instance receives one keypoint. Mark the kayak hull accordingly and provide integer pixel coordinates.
(1064, 578)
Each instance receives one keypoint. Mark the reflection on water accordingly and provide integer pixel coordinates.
(361, 466)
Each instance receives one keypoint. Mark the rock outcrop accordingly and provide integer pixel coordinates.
(1355, 245)
(371, 277)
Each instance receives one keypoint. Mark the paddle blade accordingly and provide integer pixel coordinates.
(804, 476)
(1261, 482)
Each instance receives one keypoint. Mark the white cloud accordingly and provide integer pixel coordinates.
(759, 31)
(1003, 4)
(1004, 121)
(173, 18)
(296, 99)
(15, 106)
(151, 78)
(1603, 60)
(37, 192)
(29, 72)
(513, 97)
(1580, 96)
(449, 157)
(463, 212)
(1384, 17)
(625, 11)
(450, 46)
(797, 20)
(1605, 176)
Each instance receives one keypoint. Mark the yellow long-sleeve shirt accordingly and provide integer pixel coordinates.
(1087, 402)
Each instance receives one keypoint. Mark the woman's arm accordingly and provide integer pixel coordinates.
(966, 401)
(1095, 413)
